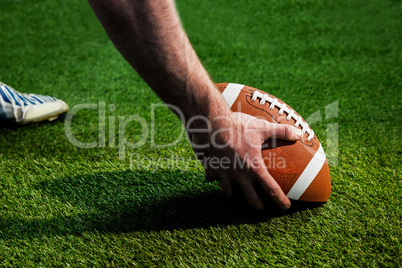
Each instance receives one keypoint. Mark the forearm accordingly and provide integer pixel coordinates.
(149, 35)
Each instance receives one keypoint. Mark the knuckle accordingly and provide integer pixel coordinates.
(271, 129)
(286, 130)
(275, 191)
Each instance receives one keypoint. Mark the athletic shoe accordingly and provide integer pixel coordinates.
(22, 108)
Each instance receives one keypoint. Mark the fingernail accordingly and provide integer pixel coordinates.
(299, 133)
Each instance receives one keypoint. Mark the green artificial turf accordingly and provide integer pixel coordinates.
(61, 205)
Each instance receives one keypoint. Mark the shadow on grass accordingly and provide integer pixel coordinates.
(130, 201)
(13, 125)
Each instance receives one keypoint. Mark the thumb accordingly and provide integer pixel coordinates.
(282, 131)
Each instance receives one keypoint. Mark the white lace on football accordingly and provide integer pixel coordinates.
(282, 108)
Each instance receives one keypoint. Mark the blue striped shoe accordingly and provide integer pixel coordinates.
(28, 108)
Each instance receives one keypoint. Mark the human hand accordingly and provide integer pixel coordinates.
(230, 149)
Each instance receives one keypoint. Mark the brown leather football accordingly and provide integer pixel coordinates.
(300, 168)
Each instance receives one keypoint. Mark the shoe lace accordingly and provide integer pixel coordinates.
(283, 108)
(17, 100)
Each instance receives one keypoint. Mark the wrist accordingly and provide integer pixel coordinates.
(204, 100)
(213, 117)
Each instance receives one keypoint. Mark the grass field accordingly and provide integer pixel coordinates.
(62, 205)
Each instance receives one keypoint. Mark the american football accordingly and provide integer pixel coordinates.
(301, 169)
